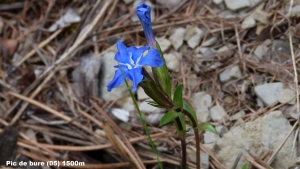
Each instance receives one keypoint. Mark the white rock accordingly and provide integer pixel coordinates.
(177, 37)
(259, 102)
(170, 3)
(224, 51)
(230, 73)
(173, 61)
(108, 72)
(217, 113)
(221, 130)
(238, 115)
(192, 80)
(147, 108)
(206, 52)
(195, 39)
(202, 101)
(128, 104)
(287, 96)
(209, 137)
(65, 20)
(204, 158)
(260, 16)
(259, 28)
(154, 118)
(295, 11)
(210, 41)
(127, 1)
(189, 32)
(269, 92)
(235, 72)
(121, 114)
(86, 75)
(134, 17)
(141, 94)
(163, 43)
(260, 51)
(256, 136)
(217, 2)
(125, 126)
(237, 4)
(248, 22)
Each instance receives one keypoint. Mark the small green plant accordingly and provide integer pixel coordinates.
(159, 88)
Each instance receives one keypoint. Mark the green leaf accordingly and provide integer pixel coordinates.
(162, 76)
(245, 166)
(177, 99)
(154, 104)
(169, 116)
(189, 108)
(207, 127)
(151, 90)
(180, 130)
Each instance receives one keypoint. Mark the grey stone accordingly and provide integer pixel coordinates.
(177, 37)
(221, 130)
(154, 118)
(237, 4)
(225, 51)
(248, 22)
(189, 32)
(210, 41)
(287, 96)
(238, 115)
(192, 80)
(230, 73)
(256, 136)
(108, 72)
(173, 61)
(260, 51)
(86, 75)
(269, 92)
(141, 94)
(163, 43)
(127, 1)
(295, 11)
(209, 137)
(120, 114)
(280, 51)
(147, 108)
(195, 39)
(170, 3)
(202, 101)
(260, 16)
(204, 157)
(218, 114)
(217, 2)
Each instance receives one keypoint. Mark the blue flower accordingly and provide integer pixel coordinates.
(143, 12)
(131, 60)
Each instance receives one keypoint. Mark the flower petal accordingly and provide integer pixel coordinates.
(116, 81)
(137, 52)
(122, 55)
(143, 12)
(136, 76)
(152, 59)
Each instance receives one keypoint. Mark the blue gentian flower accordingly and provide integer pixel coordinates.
(143, 12)
(131, 60)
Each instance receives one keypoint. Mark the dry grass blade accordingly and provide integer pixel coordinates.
(132, 153)
(115, 141)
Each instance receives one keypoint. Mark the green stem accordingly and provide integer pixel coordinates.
(183, 144)
(197, 137)
(143, 122)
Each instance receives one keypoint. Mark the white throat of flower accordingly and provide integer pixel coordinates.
(132, 65)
